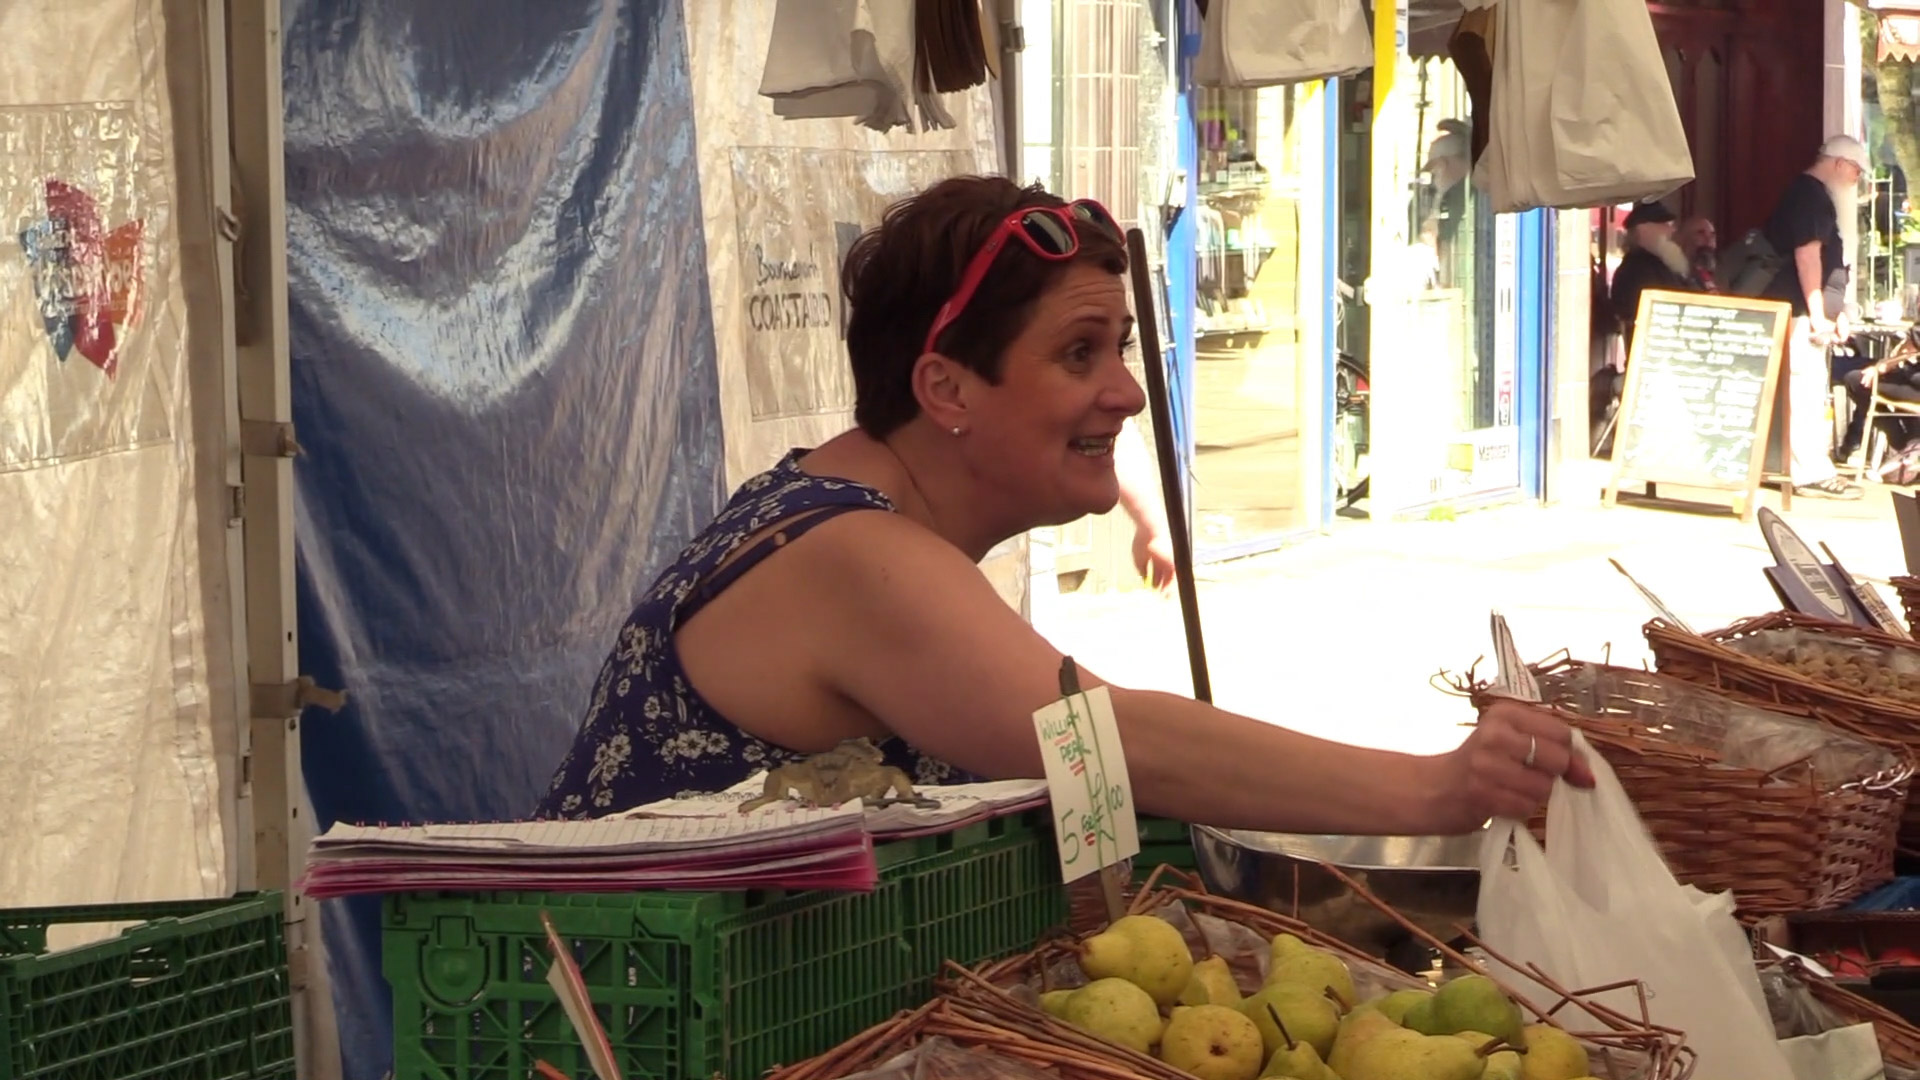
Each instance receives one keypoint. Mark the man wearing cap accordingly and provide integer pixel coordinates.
(1805, 230)
(1653, 261)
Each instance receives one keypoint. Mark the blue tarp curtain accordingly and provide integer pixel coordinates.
(504, 385)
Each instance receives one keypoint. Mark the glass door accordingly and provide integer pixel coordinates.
(1256, 378)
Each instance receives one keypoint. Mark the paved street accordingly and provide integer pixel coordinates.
(1339, 635)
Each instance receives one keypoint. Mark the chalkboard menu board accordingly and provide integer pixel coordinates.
(1699, 399)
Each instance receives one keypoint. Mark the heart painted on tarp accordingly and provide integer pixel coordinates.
(86, 278)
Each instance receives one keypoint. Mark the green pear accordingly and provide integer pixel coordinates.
(1476, 1003)
(1551, 1054)
(1395, 1005)
(1143, 950)
(1194, 994)
(1054, 1002)
(1356, 1029)
(1501, 1064)
(1419, 1018)
(1294, 1058)
(1291, 960)
(1408, 1055)
(1213, 1042)
(1115, 1010)
(1305, 1012)
(1211, 984)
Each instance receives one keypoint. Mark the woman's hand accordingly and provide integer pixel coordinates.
(1153, 555)
(1507, 767)
(1140, 498)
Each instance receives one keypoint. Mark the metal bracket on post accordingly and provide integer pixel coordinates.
(268, 439)
(286, 701)
(299, 959)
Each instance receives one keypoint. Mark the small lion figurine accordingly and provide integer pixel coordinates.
(853, 770)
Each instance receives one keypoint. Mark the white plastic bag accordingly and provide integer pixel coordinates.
(1252, 43)
(1848, 1053)
(1582, 110)
(1617, 133)
(1599, 906)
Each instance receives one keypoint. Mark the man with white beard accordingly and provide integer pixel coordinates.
(1805, 230)
(1653, 261)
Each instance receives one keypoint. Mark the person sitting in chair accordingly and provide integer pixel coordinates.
(1896, 378)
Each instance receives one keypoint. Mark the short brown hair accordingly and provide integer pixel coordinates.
(896, 277)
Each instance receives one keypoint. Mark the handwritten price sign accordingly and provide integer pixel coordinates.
(1087, 783)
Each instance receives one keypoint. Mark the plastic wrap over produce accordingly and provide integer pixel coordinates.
(109, 778)
(503, 380)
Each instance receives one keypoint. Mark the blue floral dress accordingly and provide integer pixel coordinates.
(648, 734)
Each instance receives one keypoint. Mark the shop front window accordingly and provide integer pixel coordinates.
(1441, 287)
(1256, 365)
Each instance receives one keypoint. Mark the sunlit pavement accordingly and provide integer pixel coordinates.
(1341, 635)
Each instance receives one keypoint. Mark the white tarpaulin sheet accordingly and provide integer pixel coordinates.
(109, 787)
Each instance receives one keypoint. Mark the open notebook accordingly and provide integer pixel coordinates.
(827, 848)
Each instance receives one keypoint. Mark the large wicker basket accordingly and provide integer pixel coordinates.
(1624, 1048)
(1787, 814)
(1908, 589)
(1735, 661)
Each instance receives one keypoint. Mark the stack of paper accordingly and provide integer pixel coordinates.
(780, 848)
(940, 809)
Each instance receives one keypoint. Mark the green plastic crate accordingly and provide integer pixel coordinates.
(1164, 841)
(703, 984)
(989, 891)
(198, 989)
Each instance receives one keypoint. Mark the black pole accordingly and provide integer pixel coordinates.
(1147, 324)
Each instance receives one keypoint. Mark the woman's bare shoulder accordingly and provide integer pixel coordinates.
(864, 547)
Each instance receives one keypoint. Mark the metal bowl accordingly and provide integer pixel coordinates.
(1432, 880)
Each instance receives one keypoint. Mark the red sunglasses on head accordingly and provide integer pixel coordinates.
(1050, 232)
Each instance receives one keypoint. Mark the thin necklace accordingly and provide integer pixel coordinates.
(926, 504)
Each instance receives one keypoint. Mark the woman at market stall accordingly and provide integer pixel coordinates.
(838, 595)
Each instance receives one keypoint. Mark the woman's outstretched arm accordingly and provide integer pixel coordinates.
(913, 633)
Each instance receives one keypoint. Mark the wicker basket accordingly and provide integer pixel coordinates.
(1726, 660)
(1787, 814)
(1069, 1053)
(1908, 589)
(1623, 1048)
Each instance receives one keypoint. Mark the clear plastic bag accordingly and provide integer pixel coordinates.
(1738, 735)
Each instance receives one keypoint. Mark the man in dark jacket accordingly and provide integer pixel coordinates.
(1653, 261)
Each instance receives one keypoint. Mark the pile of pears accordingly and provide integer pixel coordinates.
(1147, 992)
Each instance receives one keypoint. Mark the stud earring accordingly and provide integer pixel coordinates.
(956, 431)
